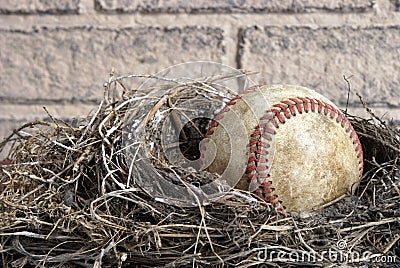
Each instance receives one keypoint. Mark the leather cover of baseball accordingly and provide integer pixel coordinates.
(299, 149)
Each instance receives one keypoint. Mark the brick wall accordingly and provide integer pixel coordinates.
(58, 53)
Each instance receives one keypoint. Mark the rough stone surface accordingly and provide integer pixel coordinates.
(319, 57)
(39, 6)
(73, 63)
(235, 6)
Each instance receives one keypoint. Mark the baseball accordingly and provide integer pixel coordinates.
(299, 150)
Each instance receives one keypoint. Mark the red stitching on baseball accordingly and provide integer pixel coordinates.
(319, 105)
(283, 108)
(312, 103)
(305, 104)
(258, 172)
(270, 118)
(214, 124)
(226, 108)
(298, 104)
(278, 115)
(290, 107)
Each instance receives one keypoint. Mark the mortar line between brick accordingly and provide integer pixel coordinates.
(230, 42)
(211, 20)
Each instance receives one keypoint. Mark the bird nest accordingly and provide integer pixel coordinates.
(72, 195)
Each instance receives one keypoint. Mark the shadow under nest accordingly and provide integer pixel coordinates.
(65, 202)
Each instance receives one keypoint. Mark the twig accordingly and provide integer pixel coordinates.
(176, 120)
(369, 224)
(348, 91)
(153, 111)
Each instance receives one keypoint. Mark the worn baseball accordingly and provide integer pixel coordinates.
(300, 151)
